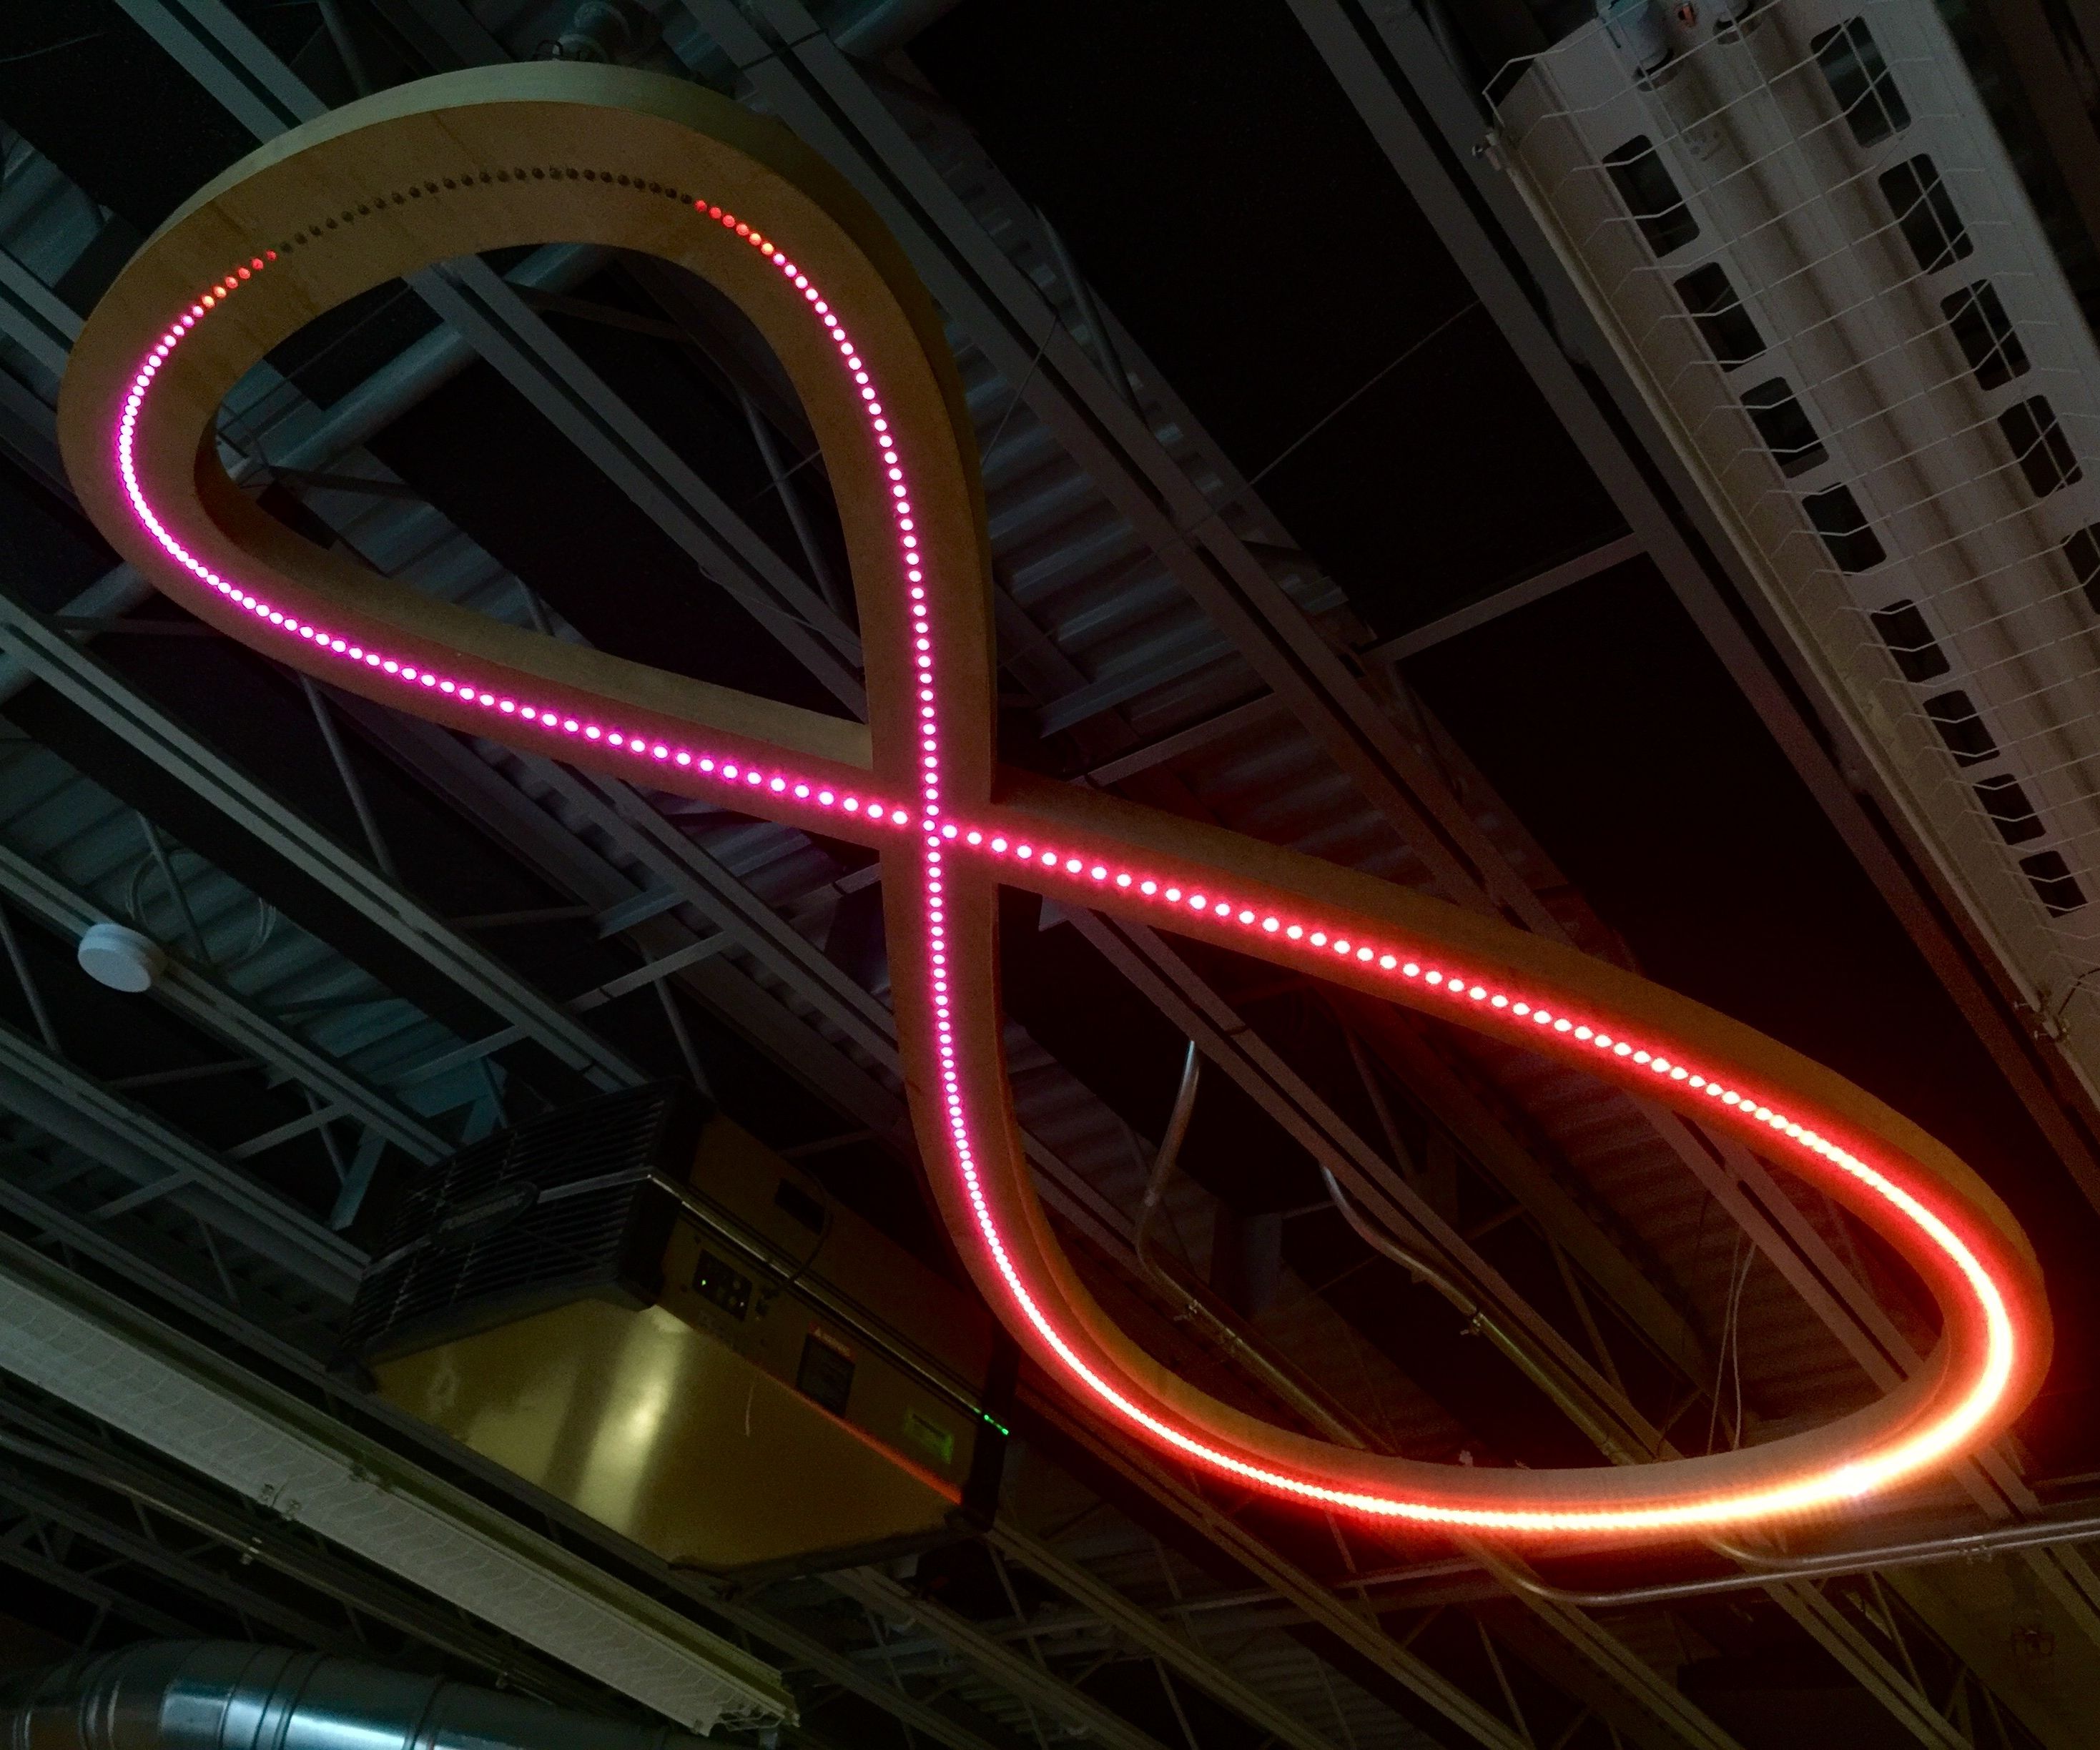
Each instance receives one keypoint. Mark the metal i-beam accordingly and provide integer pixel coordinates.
(64, 1103)
(1507, 600)
(35, 317)
(436, 757)
(1504, 600)
(98, 690)
(1014, 1672)
(16, 1552)
(806, 1649)
(136, 1545)
(1172, 1648)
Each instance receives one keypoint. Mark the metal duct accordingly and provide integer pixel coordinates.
(63, 1336)
(224, 1695)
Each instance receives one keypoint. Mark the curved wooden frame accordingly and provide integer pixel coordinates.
(528, 154)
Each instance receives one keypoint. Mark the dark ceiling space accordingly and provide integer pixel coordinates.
(1274, 268)
(432, 941)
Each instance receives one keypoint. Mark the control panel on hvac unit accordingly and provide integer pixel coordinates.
(640, 1308)
(782, 1254)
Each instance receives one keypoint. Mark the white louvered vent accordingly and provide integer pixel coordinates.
(1806, 242)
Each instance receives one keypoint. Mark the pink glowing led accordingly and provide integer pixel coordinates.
(1260, 916)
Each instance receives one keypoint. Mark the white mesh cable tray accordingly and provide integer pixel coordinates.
(120, 1369)
(1803, 237)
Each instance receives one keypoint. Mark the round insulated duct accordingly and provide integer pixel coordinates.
(224, 1695)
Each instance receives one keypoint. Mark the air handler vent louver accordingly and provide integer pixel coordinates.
(555, 1209)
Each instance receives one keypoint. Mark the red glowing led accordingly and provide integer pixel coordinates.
(952, 827)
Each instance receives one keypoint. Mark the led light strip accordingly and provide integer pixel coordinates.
(950, 851)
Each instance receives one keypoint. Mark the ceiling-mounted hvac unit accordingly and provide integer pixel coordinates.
(640, 1309)
(87, 1348)
(1802, 237)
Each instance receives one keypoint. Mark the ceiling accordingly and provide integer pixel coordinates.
(1314, 512)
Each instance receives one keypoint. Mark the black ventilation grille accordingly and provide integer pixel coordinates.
(551, 1211)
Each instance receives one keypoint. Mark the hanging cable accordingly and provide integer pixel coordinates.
(1164, 1163)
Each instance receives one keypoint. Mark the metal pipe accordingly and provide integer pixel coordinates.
(1595, 1428)
(1155, 1191)
(1386, 1246)
(1767, 1570)
(224, 1695)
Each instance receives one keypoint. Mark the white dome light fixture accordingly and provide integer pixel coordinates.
(123, 960)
